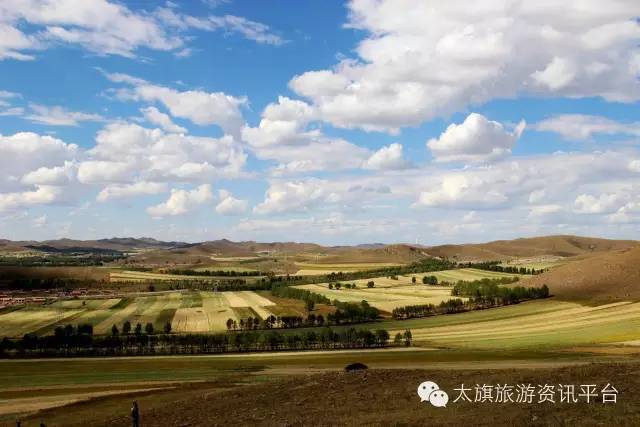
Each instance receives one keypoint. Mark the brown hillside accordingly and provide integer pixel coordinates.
(564, 246)
(604, 277)
(390, 253)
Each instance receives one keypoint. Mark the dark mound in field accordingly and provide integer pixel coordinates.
(357, 366)
(605, 277)
(564, 246)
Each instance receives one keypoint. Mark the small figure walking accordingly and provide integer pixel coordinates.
(135, 415)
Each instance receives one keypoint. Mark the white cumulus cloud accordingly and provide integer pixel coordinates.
(229, 205)
(387, 158)
(477, 139)
(157, 117)
(580, 127)
(421, 60)
(181, 202)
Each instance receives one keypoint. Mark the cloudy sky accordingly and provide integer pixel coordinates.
(339, 123)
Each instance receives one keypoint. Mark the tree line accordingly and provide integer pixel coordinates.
(497, 266)
(85, 344)
(455, 305)
(275, 322)
(59, 260)
(487, 292)
(301, 294)
(345, 313)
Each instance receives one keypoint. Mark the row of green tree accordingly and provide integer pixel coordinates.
(497, 266)
(345, 313)
(271, 322)
(301, 294)
(455, 305)
(59, 260)
(32, 345)
(487, 292)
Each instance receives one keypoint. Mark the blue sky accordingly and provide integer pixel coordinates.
(339, 123)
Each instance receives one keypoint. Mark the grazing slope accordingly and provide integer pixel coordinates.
(604, 277)
(564, 246)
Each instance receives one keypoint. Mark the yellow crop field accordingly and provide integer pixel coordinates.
(309, 269)
(143, 276)
(387, 297)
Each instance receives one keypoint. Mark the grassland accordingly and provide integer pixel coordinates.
(187, 311)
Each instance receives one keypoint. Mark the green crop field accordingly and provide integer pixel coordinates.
(535, 324)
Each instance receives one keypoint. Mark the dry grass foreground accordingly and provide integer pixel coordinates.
(375, 397)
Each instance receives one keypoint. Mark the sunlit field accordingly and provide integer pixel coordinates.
(187, 311)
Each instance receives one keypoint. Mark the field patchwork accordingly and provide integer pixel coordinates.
(192, 311)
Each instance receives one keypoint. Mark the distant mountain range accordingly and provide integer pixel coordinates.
(564, 246)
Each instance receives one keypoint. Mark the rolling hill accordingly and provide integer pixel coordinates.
(563, 246)
(603, 277)
(119, 244)
(155, 252)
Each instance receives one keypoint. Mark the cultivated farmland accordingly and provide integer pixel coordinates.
(534, 324)
(307, 269)
(191, 311)
(384, 297)
(389, 293)
(467, 275)
(143, 276)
